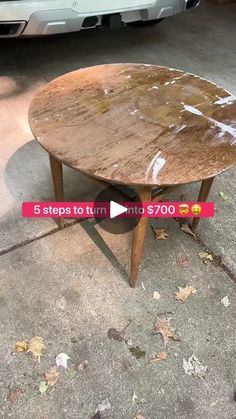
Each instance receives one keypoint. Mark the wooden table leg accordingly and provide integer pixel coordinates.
(57, 177)
(203, 195)
(139, 233)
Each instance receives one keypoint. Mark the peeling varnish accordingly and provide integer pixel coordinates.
(153, 88)
(178, 129)
(155, 166)
(169, 82)
(133, 112)
(228, 100)
(192, 109)
(225, 128)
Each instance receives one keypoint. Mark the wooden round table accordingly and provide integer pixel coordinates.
(136, 124)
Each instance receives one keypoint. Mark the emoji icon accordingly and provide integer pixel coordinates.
(183, 209)
(196, 209)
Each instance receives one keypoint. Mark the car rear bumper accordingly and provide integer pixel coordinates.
(48, 22)
(61, 21)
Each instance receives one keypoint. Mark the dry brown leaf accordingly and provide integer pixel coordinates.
(120, 336)
(97, 416)
(36, 346)
(183, 261)
(205, 256)
(116, 335)
(14, 394)
(52, 376)
(184, 293)
(163, 327)
(21, 346)
(160, 233)
(137, 352)
(194, 368)
(186, 229)
(160, 356)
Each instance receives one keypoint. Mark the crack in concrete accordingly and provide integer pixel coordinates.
(28, 241)
(218, 260)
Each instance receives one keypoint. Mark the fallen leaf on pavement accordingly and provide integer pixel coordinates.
(36, 346)
(116, 335)
(184, 293)
(160, 356)
(205, 256)
(183, 261)
(61, 360)
(134, 397)
(120, 336)
(52, 376)
(193, 367)
(163, 327)
(160, 233)
(14, 394)
(156, 295)
(223, 196)
(143, 286)
(21, 346)
(97, 416)
(43, 387)
(105, 405)
(137, 352)
(82, 366)
(186, 229)
(225, 301)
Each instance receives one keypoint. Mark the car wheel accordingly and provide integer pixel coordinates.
(142, 23)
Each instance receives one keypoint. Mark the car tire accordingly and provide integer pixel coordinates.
(143, 23)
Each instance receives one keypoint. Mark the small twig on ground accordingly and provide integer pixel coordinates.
(126, 326)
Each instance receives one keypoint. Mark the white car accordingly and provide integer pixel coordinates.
(47, 17)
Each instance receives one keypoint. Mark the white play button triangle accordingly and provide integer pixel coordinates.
(116, 209)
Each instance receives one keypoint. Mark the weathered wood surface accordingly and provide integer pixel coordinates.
(137, 124)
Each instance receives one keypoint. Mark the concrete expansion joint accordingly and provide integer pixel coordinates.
(218, 259)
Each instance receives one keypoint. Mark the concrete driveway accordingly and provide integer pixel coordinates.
(70, 287)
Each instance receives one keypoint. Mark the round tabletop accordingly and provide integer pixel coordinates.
(137, 124)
